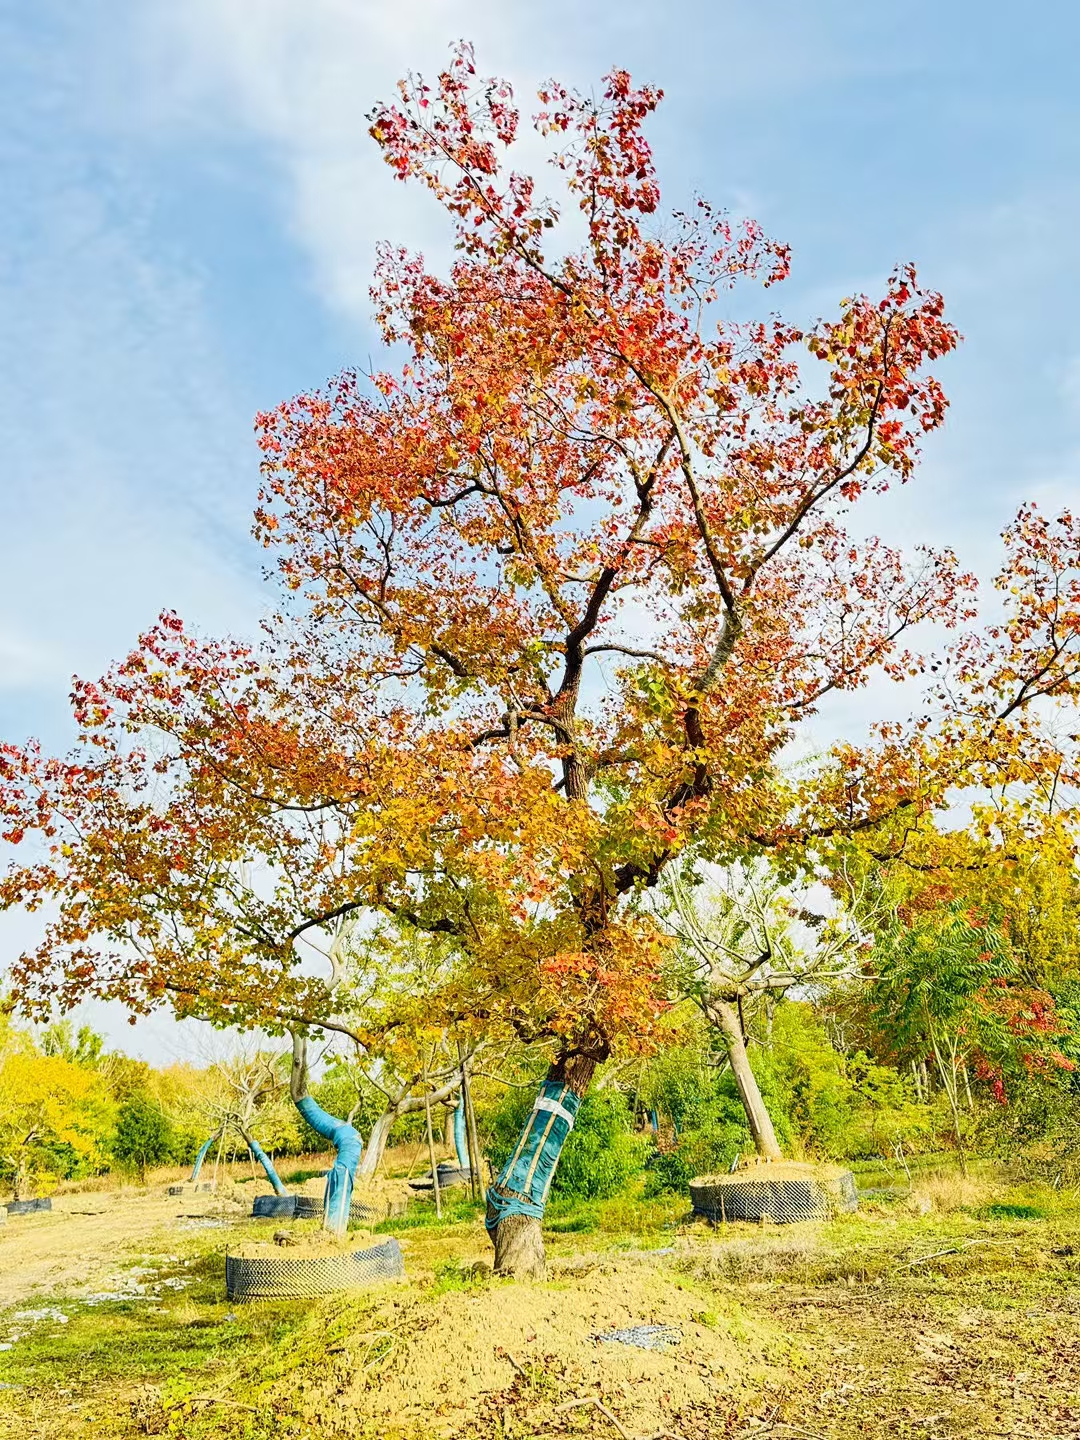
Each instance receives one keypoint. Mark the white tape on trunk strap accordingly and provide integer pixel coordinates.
(554, 1108)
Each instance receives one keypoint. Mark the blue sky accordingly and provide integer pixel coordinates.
(190, 205)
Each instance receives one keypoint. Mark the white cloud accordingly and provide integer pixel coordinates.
(301, 78)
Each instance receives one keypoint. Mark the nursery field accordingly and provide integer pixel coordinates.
(947, 1308)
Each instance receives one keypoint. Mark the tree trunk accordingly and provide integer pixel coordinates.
(757, 1116)
(461, 1145)
(515, 1203)
(405, 1104)
(345, 1139)
(200, 1157)
(263, 1159)
(376, 1145)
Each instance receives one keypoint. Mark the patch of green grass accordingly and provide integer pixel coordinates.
(1011, 1212)
(297, 1177)
(422, 1216)
(453, 1275)
(576, 1224)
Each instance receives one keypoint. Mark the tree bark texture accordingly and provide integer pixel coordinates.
(757, 1116)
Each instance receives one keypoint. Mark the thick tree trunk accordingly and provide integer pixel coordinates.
(345, 1139)
(517, 1199)
(761, 1126)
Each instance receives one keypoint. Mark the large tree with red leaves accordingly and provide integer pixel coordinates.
(562, 585)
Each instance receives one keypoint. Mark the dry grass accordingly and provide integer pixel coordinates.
(944, 1192)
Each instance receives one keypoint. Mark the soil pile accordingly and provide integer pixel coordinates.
(499, 1354)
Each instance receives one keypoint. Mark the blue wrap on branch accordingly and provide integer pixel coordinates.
(267, 1164)
(522, 1187)
(348, 1145)
(461, 1145)
(201, 1156)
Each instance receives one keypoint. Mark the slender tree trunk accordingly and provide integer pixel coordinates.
(201, 1156)
(404, 1104)
(376, 1145)
(461, 1144)
(431, 1157)
(967, 1088)
(515, 1203)
(476, 1176)
(726, 1017)
(264, 1160)
(948, 1074)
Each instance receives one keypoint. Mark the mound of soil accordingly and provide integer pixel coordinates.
(776, 1170)
(310, 1244)
(463, 1365)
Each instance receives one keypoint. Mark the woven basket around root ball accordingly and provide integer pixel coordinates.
(28, 1207)
(274, 1207)
(294, 1277)
(782, 1198)
(310, 1207)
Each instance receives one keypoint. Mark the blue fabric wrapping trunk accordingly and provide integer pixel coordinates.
(522, 1187)
(200, 1157)
(461, 1147)
(347, 1145)
(267, 1164)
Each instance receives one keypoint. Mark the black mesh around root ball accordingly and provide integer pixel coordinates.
(449, 1176)
(278, 1207)
(28, 1207)
(309, 1208)
(782, 1201)
(294, 1277)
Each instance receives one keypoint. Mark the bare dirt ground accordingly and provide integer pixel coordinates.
(75, 1248)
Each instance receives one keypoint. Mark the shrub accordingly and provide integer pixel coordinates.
(143, 1135)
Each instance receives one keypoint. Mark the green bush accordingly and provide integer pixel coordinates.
(143, 1136)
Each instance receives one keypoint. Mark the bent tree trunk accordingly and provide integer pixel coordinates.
(515, 1203)
(726, 1016)
(404, 1103)
(201, 1156)
(263, 1159)
(344, 1138)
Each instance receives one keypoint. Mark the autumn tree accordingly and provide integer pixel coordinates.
(560, 587)
(52, 1111)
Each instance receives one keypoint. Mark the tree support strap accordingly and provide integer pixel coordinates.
(523, 1185)
(347, 1145)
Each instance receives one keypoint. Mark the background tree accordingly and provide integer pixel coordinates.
(144, 1136)
(744, 940)
(55, 1115)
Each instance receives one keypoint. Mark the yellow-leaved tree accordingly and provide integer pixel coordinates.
(53, 1112)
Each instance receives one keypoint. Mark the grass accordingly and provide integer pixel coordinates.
(876, 1323)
